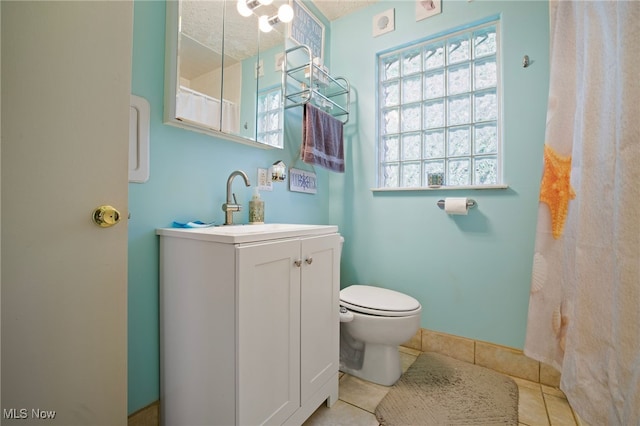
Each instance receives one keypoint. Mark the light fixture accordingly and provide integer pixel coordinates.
(243, 8)
(263, 24)
(285, 14)
(246, 7)
(278, 171)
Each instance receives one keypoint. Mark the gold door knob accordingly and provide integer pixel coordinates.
(105, 216)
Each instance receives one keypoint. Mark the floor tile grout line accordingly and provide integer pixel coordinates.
(546, 408)
(359, 408)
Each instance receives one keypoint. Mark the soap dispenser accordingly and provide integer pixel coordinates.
(256, 208)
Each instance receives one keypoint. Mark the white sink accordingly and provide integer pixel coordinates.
(263, 227)
(248, 233)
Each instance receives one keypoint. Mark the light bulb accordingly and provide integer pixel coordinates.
(285, 13)
(265, 2)
(263, 24)
(243, 9)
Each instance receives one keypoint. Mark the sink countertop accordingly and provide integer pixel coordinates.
(233, 234)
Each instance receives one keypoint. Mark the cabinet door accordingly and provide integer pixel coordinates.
(268, 332)
(320, 320)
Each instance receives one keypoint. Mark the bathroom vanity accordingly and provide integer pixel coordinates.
(249, 323)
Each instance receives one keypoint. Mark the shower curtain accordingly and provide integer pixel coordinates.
(584, 308)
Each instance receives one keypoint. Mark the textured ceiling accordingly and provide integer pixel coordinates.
(335, 9)
(202, 22)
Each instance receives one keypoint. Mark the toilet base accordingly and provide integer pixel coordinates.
(381, 365)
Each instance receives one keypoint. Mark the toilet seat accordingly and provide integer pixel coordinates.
(378, 301)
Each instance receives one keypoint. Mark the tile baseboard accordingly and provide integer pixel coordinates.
(500, 358)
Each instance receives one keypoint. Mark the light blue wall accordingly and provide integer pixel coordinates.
(470, 273)
(188, 178)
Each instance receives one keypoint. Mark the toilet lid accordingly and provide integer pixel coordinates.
(378, 301)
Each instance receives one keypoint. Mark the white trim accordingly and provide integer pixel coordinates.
(442, 188)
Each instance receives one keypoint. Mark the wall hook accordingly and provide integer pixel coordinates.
(525, 61)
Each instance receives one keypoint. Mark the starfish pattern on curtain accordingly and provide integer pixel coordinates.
(556, 190)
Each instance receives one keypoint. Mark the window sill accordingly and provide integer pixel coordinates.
(440, 188)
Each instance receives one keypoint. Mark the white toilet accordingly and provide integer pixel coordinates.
(374, 321)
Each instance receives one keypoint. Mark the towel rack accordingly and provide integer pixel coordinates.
(470, 203)
(311, 82)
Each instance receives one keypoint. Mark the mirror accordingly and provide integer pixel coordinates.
(221, 73)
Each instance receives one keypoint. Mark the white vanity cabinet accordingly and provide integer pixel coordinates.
(249, 324)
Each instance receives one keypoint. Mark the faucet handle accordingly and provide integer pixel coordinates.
(231, 208)
(235, 200)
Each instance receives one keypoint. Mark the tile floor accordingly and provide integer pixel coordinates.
(538, 405)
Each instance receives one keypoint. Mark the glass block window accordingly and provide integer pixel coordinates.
(439, 110)
(270, 117)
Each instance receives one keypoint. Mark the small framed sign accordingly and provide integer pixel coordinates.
(305, 28)
(302, 181)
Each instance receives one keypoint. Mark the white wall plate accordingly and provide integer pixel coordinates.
(384, 22)
(427, 8)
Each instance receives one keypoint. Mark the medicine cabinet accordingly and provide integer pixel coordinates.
(219, 67)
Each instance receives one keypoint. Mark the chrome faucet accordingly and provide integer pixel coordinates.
(232, 203)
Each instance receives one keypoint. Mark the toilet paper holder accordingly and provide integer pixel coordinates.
(470, 203)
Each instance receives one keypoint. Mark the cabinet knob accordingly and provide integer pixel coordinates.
(298, 263)
(309, 260)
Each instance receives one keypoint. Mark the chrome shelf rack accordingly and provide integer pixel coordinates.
(310, 82)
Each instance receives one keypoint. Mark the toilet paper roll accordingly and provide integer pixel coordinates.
(457, 205)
